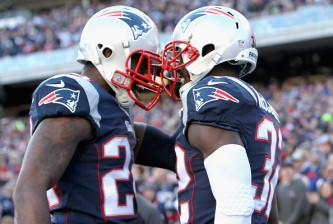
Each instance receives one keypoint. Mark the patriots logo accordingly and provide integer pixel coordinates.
(201, 12)
(138, 25)
(66, 97)
(208, 94)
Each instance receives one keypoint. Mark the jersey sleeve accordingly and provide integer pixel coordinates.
(219, 102)
(158, 149)
(64, 95)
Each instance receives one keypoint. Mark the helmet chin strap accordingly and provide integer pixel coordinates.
(124, 100)
(121, 94)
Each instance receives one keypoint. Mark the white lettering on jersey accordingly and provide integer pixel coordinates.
(263, 104)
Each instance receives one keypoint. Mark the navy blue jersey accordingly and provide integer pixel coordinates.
(231, 104)
(97, 186)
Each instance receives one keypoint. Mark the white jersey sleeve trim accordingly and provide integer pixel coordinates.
(253, 94)
(91, 93)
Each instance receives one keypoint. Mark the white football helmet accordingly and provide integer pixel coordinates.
(123, 30)
(219, 34)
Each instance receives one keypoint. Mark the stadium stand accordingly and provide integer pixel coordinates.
(295, 41)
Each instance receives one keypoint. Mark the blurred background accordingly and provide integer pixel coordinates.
(39, 39)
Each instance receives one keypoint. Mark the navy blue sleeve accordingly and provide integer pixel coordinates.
(217, 102)
(158, 149)
(63, 95)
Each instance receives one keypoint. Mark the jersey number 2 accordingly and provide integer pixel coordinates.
(111, 150)
(111, 205)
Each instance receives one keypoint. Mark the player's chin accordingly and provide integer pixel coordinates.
(177, 87)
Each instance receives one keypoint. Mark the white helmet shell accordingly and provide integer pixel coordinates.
(122, 29)
(223, 30)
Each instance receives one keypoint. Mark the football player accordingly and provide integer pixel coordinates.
(228, 147)
(78, 162)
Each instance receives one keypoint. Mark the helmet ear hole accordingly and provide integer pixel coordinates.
(107, 52)
(207, 49)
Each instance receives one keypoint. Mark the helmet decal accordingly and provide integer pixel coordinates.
(138, 25)
(201, 12)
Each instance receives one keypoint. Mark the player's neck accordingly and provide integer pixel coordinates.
(224, 70)
(92, 72)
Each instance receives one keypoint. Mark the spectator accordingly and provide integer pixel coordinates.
(166, 194)
(147, 213)
(5, 173)
(148, 191)
(47, 30)
(313, 170)
(291, 196)
(6, 201)
(321, 203)
(138, 175)
(299, 164)
(327, 174)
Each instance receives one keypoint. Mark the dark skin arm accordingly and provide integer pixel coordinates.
(208, 138)
(48, 154)
(154, 147)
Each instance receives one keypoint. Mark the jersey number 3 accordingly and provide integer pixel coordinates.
(267, 133)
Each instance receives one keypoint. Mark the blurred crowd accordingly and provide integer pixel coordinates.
(25, 32)
(305, 188)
